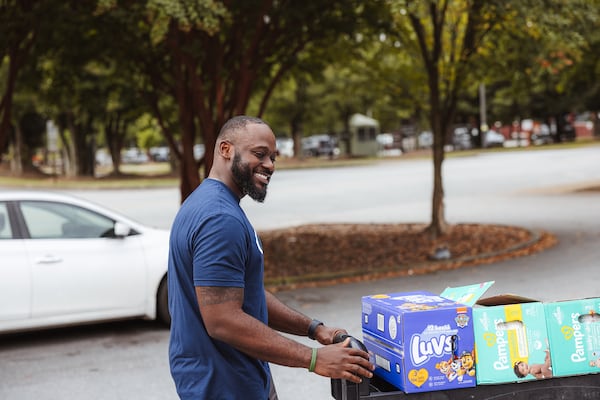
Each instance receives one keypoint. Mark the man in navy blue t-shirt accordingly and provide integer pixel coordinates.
(224, 324)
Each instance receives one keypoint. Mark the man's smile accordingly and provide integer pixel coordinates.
(262, 177)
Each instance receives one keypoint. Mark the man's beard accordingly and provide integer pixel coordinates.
(242, 176)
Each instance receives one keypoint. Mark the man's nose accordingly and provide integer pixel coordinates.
(269, 164)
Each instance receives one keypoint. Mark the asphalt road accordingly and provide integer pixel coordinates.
(536, 189)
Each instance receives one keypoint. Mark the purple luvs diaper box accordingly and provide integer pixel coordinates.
(419, 341)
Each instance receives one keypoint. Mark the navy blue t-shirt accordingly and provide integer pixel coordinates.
(213, 244)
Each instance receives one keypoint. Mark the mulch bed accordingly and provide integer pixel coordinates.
(320, 254)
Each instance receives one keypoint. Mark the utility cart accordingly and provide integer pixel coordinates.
(577, 387)
(580, 387)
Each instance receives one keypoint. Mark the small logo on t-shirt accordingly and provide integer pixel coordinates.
(258, 243)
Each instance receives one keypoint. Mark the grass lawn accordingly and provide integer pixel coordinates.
(159, 174)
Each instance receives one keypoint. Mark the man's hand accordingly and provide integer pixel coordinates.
(325, 334)
(339, 361)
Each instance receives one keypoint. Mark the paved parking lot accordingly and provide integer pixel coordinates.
(530, 189)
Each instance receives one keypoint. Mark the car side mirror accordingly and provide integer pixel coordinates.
(121, 230)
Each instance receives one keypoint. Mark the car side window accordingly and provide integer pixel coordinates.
(5, 228)
(50, 220)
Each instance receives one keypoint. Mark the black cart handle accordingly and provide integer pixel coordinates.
(354, 342)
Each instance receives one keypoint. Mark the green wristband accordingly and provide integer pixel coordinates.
(313, 360)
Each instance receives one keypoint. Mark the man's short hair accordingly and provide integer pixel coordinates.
(237, 123)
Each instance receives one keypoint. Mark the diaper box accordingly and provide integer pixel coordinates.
(511, 340)
(574, 334)
(419, 341)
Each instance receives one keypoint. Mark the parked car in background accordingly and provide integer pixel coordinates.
(285, 147)
(67, 261)
(461, 139)
(103, 157)
(133, 155)
(388, 145)
(537, 132)
(159, 153)
(493, 139)
(320, 145)
(425, 140)
(566, 130)
(541, 135)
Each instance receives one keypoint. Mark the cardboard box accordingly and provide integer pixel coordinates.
(511, 340)
(419, 341)
(574, 334)
(467, 294)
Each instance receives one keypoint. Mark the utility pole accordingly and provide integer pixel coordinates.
(483, 126)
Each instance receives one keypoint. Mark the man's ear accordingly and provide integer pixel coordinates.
(225, 149)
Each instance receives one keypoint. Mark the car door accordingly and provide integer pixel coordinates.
(15, 272)
(80, 271)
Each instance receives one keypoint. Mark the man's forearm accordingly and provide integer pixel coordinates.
(284, 318)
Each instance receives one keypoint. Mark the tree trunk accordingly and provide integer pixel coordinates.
(190, 177)
(68, 155)
(114, 141)
(296, 129)
(17, 53)
(347, 134)
(71, 145)
(5, 112)
(85, 148)
(17, 165)
(438, 225)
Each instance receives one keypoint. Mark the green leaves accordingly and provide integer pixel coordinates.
(204, 15)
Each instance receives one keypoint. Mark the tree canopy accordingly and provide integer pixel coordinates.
(95, 67)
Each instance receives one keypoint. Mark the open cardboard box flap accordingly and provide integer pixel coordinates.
(504, 299)
(471, 295)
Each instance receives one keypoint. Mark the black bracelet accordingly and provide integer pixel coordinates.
(313, 327)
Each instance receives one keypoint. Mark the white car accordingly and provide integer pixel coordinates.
(285, 147)
(66, 261)
(425, 140)
(494, 139)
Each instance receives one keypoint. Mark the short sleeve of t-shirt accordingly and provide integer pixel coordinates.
(220, 249)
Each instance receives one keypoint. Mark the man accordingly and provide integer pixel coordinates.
(225, 325)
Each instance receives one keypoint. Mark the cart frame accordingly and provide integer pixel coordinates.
(579, 387)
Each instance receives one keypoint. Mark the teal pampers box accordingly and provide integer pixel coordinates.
(574, 333)
(419, 341)
(511, 340)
